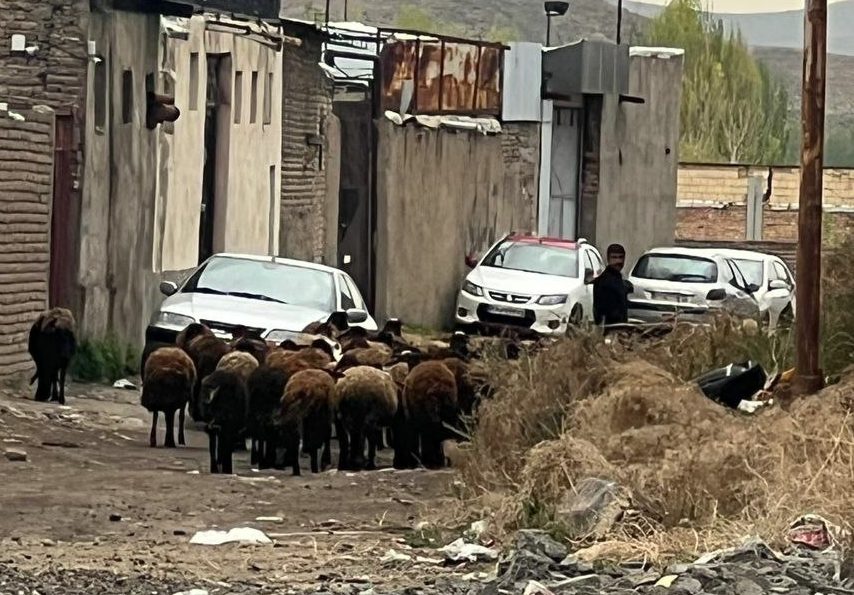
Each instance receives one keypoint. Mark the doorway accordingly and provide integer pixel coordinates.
(215, 172)
(565, 173)
(64, 217)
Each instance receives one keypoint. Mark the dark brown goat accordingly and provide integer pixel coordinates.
(52, 344)
(206, 351)
(306, 411)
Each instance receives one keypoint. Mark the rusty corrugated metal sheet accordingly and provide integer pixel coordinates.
(435, 76)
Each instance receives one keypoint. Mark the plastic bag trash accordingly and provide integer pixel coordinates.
(753, 406)
(813, 532)
(392, 556)
(477, 529)
(733, 384)
(236, 535)
(193, 592)
(269, 519)
(460, 551)
(535, 588)
(125, 384)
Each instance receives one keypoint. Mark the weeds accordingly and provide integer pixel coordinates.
(104, 360)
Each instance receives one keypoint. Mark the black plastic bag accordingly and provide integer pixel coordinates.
(734, 383)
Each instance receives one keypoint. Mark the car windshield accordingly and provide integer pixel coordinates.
(752, 269)
(534, 258)
(265, 281)
(676, 267)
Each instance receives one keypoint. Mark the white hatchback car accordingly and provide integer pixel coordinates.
(530, 283)
(776, 283)
(273, 297)
(670, 282)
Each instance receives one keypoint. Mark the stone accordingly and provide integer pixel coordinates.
(15, 455)
(115, 517)
(539, 542)
(686, 584)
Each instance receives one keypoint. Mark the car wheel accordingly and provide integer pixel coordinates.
(787, 318)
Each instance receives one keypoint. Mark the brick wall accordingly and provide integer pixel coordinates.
(26, 186)
(307, 102)
(728, 184)
(728, 223)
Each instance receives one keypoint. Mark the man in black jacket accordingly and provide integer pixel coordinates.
(610, 292)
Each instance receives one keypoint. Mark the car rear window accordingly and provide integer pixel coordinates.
(676, 267)
(534, 258)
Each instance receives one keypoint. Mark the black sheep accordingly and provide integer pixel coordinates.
(52, 344)
(266, 385)
(222, 405)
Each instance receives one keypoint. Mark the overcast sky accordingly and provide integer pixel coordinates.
(748, 5)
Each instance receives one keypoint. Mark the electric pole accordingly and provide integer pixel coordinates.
(619, 21)
(809, 377)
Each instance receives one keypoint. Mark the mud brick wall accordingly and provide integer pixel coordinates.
(26, 188)
(728, 223)
(307, 104)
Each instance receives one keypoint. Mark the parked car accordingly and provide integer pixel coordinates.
(689, 282)
(274, 297)
(530, 283)
(776, 283)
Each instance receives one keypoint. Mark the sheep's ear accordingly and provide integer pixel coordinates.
(212, 395)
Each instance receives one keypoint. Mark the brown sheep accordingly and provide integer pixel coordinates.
(365, 402)
(306, 411)
(429, 402)
(190, 333)
(169, 379)
(239, 362)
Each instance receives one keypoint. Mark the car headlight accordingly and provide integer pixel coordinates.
(172, 319)
(552, 300)
(472, 289)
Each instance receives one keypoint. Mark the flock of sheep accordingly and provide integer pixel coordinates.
(287, 398)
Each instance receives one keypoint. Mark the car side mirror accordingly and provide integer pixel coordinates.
(630, 287)
(472, 260)
(775, 284)
(589, 276)
(752, 288)
(168, 288)
(356, 316)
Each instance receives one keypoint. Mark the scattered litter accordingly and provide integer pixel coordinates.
(477, 529)
(12, 441)
(392, 556)
(813, 532)
(475, 576)
(115, 517)
(460, 551)
(268, 519)
(667, 581)
(754, 406)
(236, 535)
(193, 472)
(734, 383)
(403, 501)
(125, 384)
(193, 592)
(15, 455)
(433, 561)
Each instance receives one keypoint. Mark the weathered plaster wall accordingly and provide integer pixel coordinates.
(440, 195)
(638, 159)
(26, 163)
(250, 149)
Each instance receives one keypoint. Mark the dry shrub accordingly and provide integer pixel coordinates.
(705, 476)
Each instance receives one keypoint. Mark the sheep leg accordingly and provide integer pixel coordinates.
(343, 446)
(357, 448)
(170, 429)
(374, 439)
(62, 386)
(326, 457)
(253, 455)
(182, 416)
(152, 439)
(212, 448)
(431, 449)
(378, 441)
(292, 457)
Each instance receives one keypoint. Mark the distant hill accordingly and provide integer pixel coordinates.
(527, 17)
(778, 29)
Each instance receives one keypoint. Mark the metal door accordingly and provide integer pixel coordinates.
(565, 168)
(64, 216)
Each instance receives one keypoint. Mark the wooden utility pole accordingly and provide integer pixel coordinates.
(808, 378)
(619, 21)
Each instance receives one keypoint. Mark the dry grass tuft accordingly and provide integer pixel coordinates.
(702, 476)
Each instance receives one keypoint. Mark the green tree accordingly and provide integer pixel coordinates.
(413, 18)
(733, 109)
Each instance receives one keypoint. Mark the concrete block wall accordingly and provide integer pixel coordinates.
(307, 108)
(26, 190)
(728, 184)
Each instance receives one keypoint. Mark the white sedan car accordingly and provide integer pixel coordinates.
(688, 282)
(273, 297)
(776, 284)
(530, 283)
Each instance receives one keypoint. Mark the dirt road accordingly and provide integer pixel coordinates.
(93, 509)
